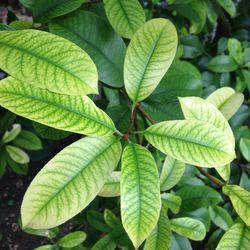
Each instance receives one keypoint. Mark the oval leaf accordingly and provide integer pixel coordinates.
(47, 61)
(140, 193)
(98, 39)
(171, 201)
(12, 134)
(150, 52)
(193, 142)
(126, 17)
(71, 113)
(72, 239)
(87, 162)
(17, 154)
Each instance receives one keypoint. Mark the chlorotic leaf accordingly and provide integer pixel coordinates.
(188, 227)
(240, 199)
(71, 113)
(226, 100)
(171, 201)
(72, 178)
(111, 187)
(73, 239)
(140, 193)
(150, 52)
(224, 172)
(47, 61)
(98, 39)
(160, 237)
(17, 154)
(191, 141)
(237, 237)
(171, 173)
(126, 17)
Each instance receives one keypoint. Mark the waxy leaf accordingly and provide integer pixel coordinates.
(71, 113)
(140, 193)
(193, 142)
(240, 199)
(236, 238)
(226, 100)
(171, 173)
(160, 237)
(149, 55)
(222, 63)
(17, 154)
(188, 227)
(171, 201)
(47, 61)
(126, 17)
(98, 39)
(111, 187)
(73, 239)
(12, 134)
(69, 182)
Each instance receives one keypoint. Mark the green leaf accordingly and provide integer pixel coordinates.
(21, 24)
(171, 173)
(17, 154)
(179, 242)
(12, 134)
(98, 39)
(240, 199)
(72, 239)
(111, 219)
(111, 187)
(140, 193)
(235, 50)
(105, 243)
(245, 148)
(237, 237)
(126, 17)
(194, 197)
(160, 237)
(223, 63)
(220, 217)
(188, 227)
(150, 52)
(47, 61)
(3, 162)
(96, 221)
(71, 113)
(28, 140)
(228, 6)
(224, 172)
(226, 100)
(48, 9)
(171, 201)
(87, 162)
(46, 247)
(21, 169)
(191, 141)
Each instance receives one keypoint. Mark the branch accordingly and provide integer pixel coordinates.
(137, 128)
(131, 121)
(147, 116)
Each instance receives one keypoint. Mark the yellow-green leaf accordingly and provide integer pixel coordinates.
(47, 61)
(69, 182)
(149, 55)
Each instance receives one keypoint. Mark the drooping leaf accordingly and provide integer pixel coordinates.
(17, 154)
(193, 142)
(160, 237)
(150, 52)
(47, 61)
(188, 227)
(224, 172)
(140, 193)
(73, 239)
(12, 134)
(126, 17)
(171, 173)
(237, 237)
(171, 201)
(194, 197)
(71, 113)
(72, 178)
(226, 100)
(240, 199)
(111, 187)
(97, 38)
(45, 10)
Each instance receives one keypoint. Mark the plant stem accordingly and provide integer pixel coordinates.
(147, 116)
(131, 122)
(137, 127)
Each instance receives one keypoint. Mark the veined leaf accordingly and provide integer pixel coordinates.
(171, 201)
(111, 187)
(47, 61)
(140, 193)
(98, 39)
(236, 238)
(72, 178)
(126, 17)
(196, 108)
(71, 113)
(193, 142)
(226, 100)
(240, 199)
(160, 237)
(45, 10)
(188, 227)
(224, 172)
(150, 52)
(171, 173)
